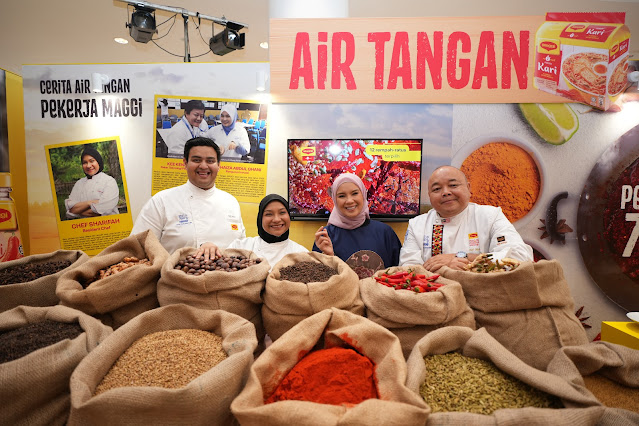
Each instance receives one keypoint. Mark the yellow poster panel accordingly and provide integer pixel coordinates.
(405, 60)
(238, 127)
(90, 193)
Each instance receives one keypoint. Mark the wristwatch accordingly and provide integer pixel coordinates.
(462, 254)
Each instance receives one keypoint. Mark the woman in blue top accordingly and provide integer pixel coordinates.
(350, 228)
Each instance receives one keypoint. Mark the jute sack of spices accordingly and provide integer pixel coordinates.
(238, 292)
(409, 315)
(116, 298)
(41, 291)
(579, 409)
(205, 400)
(396, 405)
(610, 370)
(529, 310)
(34, 389)
(286, 303)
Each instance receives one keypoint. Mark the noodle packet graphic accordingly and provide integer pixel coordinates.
(583, 57)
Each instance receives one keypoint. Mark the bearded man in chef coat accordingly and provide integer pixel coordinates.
(455, 231)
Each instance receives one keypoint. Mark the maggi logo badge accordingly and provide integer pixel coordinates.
(308, 151)
(548, 45)
(614, 49)
(4, 215)
(577, 27)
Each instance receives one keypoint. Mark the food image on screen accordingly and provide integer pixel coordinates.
(587, 71)
(393, 186)
(619, 78)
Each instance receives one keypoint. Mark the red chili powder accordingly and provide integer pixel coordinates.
(329, 376)
(617, 229)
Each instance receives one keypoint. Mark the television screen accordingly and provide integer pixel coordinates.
(389, 168)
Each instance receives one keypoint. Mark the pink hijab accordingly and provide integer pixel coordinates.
(337, 218)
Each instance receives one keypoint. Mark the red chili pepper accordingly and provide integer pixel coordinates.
(13, 249)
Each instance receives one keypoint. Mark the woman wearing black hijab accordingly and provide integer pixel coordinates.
(97, 193)
(273, 222)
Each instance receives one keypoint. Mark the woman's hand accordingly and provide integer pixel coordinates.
(232, 146)
(323, 241)
(450, 260)
(209, 250)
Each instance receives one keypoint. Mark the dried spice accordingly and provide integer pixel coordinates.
(168, 359)
(484, 264)
(409, 280)
(611, 393)
(307, 272)
(127, 262)
(455, 382)
(553, 228)
(197, 265)
(31, 271)
(21, 341)
(329, 376)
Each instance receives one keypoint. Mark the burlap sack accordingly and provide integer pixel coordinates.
(579, 409)
(204, 401)
(237, 292)
(529, 310)
(397, 405)
(286, 303)
(122, 296)
(41, 291)
(615, 362)
(409, 315)
(34, 389)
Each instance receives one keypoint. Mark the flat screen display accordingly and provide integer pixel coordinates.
(389, 168)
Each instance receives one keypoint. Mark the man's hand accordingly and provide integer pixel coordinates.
(323, 241)
(209, 250)
(450, 260)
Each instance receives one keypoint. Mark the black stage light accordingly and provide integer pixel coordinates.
(142, 26)
(227, 41)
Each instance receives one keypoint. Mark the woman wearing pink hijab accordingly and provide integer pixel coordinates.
(350, 228)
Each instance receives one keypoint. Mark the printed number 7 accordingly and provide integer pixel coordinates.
(632, 217)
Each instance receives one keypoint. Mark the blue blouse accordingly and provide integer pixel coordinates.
(372, 235)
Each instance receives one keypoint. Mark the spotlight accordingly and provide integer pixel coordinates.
(98, 81)
(227, 41)
(142, 26)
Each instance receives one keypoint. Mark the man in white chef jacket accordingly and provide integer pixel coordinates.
(455, 231)
(196, 214)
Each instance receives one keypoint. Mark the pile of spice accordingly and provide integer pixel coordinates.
(197, 265)
(21, 341)
(329, 376)
(455, 382)
(484, 264)
(307, 272)
(409, 280)
(168, 359)
(31, 271)
(503, 174)
(127, 262)
(611, 393)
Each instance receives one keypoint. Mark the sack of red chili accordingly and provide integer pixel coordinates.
(312, 282)
(34, 388)
(608, 371)
(369, 345)
(238, 292)
(411, 302)
(31, 280)
(119, 296)
(204, 400)
(465, 376)
(533, 300)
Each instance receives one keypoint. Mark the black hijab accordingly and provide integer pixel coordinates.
(269, 238)
(95, 154)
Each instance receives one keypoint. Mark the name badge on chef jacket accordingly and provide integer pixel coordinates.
(234, 221)
(426, 242)
(183, 219)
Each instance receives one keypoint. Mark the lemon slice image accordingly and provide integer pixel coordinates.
(554, 123)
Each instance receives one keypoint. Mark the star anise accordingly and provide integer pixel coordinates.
(582, 320)
(560, 229)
